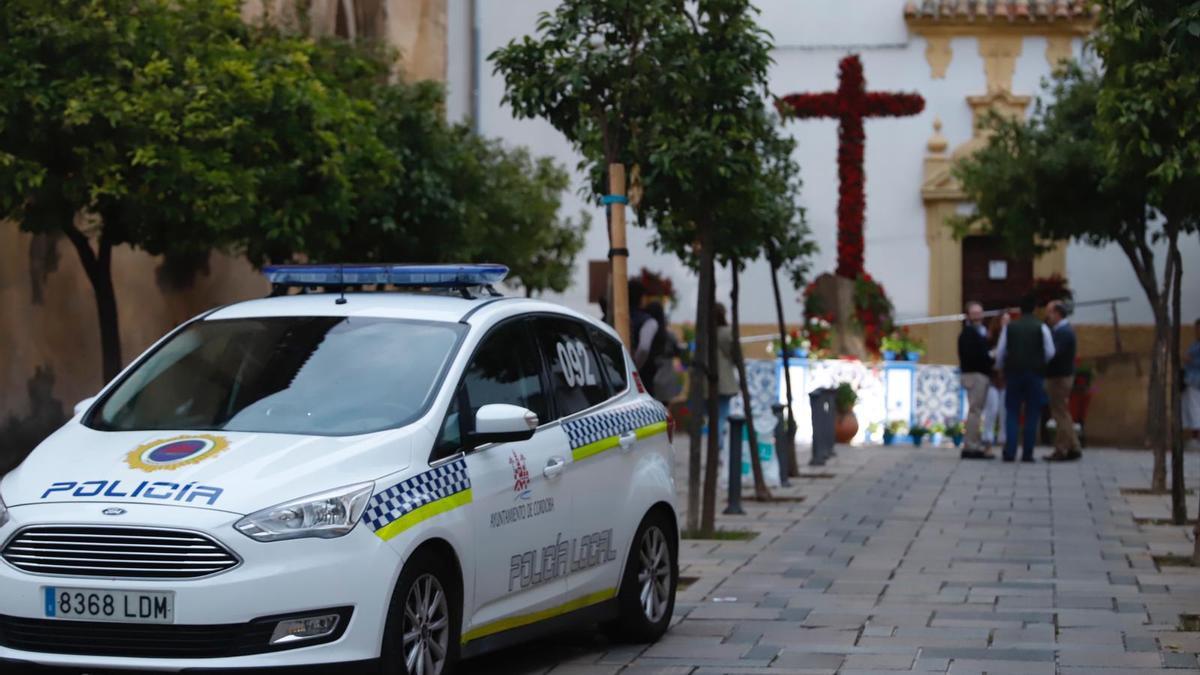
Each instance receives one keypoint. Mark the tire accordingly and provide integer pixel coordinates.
(645, 608)
(423, 583)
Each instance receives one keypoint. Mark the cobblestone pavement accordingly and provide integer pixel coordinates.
(911, 560)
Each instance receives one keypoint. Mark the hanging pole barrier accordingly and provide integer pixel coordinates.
(618, 255)
(736, 424)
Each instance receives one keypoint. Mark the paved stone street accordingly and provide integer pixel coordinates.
(910, 560)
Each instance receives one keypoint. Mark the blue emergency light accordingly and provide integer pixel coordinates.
(405, 276)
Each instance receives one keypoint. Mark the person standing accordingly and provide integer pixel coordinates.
(1191, 392)
(1025, 347)
(727, 383)
(976, 365)
(642, 327)
(1060, 378)
(993, 410)
(658, 374)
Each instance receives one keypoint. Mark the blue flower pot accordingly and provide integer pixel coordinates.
(889, 355)
(889, 438)
(914, 356)
(958, 439)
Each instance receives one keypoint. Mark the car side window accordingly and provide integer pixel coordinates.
(612, 359)
(504, 369)
(573, 367)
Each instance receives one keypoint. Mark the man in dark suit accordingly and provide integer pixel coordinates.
(1025, 348)
(1060, 378)
(975, 364)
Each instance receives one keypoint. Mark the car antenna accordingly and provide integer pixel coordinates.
(342, 284)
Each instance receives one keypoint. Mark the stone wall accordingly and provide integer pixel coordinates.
(49, 336)
(415, 28)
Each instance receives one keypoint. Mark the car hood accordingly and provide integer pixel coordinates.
(228, 471)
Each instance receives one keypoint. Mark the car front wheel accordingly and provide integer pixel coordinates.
(422, 634)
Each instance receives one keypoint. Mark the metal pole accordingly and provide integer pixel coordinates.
(781, 454)
(737, 422)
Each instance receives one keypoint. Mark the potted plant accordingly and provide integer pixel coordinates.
(913, 349)
(890, 346)
(846, 425)
(918, 433)
(936, 431)
(955, 431)
(872, 429)
(891, 430)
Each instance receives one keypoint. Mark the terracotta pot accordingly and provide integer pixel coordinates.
(845, 427)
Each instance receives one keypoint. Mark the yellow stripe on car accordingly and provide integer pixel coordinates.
(501, 625)
(652, 430)
(423, 513)
(610, 442)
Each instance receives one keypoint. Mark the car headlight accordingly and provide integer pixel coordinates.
(3, 512)
(325, 515)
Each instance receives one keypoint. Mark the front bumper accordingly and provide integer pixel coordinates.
(298, 577)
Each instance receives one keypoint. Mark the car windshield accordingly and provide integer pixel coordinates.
(296, 375)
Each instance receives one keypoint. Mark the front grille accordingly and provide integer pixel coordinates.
(117, 552)
(49, 636)
(134, 640)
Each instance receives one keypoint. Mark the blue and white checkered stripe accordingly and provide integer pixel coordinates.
(411, 494)
(613, 422)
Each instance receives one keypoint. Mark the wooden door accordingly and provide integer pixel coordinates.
(990, 276)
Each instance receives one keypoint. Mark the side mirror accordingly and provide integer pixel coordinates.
(502, 423)
(83, 405)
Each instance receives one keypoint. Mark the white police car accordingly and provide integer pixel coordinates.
(404, 478)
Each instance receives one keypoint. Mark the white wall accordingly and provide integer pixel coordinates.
(811, 37)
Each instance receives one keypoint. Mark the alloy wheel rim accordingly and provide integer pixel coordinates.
(654, 574)
(426, 627)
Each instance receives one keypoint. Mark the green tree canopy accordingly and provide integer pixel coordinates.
(1149, 117)
(171, 126)
(174, 127)
(676, 88)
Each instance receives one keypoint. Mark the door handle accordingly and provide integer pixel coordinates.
(627, 440)
(554, 467)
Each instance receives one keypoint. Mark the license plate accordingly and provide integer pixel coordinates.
(89, 604)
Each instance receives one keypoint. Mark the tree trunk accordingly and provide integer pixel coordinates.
(1141, 258)
(790, 437)
(1156, 402)
(98, 267)
(708, 511)
(1175, 395)
(761, 492)
(695, 401)
(1196, 537)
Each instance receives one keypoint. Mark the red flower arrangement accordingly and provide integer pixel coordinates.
(872, 310)
(657, 285)
(1053, 287)
(850, 104)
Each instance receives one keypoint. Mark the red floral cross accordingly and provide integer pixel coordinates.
(850, 104)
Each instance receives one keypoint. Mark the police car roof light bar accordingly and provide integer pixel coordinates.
(458, 277)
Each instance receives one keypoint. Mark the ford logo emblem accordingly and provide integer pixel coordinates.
(113, 511)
